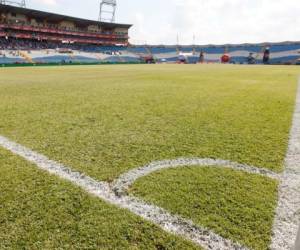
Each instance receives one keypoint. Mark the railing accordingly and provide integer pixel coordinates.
(63, 39)
(59, 31)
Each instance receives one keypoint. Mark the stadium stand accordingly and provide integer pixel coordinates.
(281, 53)
(32, 36)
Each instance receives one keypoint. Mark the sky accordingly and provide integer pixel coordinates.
(193, 21)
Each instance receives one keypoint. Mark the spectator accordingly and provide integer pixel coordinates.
(251, 59)
(266, 57)
(201, 59)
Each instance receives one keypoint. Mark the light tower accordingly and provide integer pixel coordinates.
(108, 11)
(21, 3)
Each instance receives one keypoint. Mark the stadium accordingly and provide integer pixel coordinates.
(36, 37)
(106, 144)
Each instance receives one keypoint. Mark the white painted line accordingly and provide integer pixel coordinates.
(287, 215)
(288, 211)
(297, 246)
(121, 185)
(172, 224)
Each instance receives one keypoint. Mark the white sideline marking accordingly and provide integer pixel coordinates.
(172, 224)
(287, 215)
(288, 211)
(121, 185)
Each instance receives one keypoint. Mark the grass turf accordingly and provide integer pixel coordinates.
(106, 120)
(39, 211)
(234, 204)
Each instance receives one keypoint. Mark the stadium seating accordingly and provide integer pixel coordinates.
(32, 36)
(10, 57)
(280, 53)
(22, 51)
(138, 50)
(163, 50)
(9, 60)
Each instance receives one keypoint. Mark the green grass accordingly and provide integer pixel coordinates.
(105, 120)
(39, 211)
(234, 204)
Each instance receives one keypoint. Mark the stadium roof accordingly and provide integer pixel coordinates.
(57, 17)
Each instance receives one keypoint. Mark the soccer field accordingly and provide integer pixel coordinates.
(224, 131)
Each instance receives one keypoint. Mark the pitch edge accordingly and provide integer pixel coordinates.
(287, 217)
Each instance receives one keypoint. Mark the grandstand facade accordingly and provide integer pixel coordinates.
(22, 23)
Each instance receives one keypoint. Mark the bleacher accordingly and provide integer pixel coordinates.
(138, 50)
(13, 51)
(10, 57)
(32, 36)
(281, 53)
(29, 51)
(11, 60)
(162, 50)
